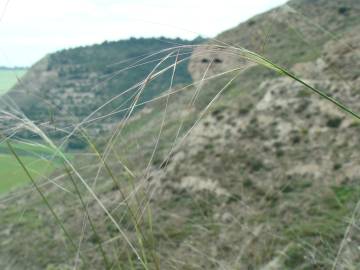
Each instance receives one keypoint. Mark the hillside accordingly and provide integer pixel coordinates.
(268, 177)
(8, 77)
(65, 87)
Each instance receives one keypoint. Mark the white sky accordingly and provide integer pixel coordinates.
(29, 29)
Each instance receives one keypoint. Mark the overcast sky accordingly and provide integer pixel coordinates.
(29, 29)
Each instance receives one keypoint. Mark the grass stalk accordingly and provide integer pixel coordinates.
(92, 226)
(45, 200)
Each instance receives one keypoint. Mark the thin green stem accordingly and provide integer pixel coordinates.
(98, 239)
(58, 221)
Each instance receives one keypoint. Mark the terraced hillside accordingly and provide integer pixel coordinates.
(65, 87)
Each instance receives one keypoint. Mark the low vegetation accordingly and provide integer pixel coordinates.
(9, 77)
(252, 165)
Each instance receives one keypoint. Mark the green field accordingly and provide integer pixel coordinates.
(8, 78)
(36, 158)
(39, 161)
(12, 175)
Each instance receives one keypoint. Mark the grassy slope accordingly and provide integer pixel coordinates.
(12, 176)
(39, 161)
(288, 194)
(8, 78)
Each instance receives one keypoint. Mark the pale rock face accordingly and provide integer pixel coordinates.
(340, 60)
(210, 60)
(303, 169)
(310, 70)
(197, 184)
